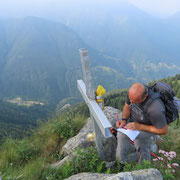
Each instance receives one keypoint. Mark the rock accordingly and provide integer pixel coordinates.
(111, 114)
(59, 164)
(62, 162)
(80, 140)
(148, 174)
(89, 176)
(109, 145)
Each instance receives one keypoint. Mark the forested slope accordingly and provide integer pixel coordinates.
(116, 98)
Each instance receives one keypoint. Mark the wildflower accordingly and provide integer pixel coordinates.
(169, 158)
(155, 159)
(172, 153)
(161, 151)
(175, 164)
(172, 156)
(160, 158)
(166, 154)
(173, 171)
(169, 166)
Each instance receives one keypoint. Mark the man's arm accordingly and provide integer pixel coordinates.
(125, 115)
(148, 128)
(153, 129)
(126, 111)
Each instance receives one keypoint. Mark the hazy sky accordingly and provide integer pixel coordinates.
(167, 7)
(40, 7)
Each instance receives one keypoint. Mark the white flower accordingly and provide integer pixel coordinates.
(175, 164)
(169, 166)
(160, 158)
(169, 158)
(161, 151)
(166, 154)
(172, 153)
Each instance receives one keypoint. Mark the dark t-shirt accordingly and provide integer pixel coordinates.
(155, 113)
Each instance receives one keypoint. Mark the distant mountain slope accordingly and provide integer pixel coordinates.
(127, 33)
(124, 31)
(40, 59)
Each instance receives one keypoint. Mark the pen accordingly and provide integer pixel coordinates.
(120, 122)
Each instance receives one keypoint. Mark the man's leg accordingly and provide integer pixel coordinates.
(142, 145)
(123, 147)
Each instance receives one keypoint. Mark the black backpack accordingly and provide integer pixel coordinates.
(167, 95)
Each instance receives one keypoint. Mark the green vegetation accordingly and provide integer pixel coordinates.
(115, 98)
(171, 143)
(19, 121)
(30, 157)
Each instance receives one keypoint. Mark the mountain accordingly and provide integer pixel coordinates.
(122, 31)
(40, 60)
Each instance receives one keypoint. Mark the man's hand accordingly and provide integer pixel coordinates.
(133, 126)
(120, 123)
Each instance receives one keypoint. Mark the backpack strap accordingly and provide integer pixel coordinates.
(151, 97)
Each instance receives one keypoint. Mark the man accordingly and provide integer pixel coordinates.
(134, 118)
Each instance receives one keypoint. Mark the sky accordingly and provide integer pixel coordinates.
(19, 8)
(158, 7)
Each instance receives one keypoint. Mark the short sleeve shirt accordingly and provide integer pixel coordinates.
(155, 113)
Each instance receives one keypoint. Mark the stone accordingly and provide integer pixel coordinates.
(89, 176)
(148, 174)
(62, 162)
(109, 144)
(80, 140)
(59, 164)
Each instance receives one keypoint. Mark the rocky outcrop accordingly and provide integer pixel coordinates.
(148, 174)
(81, 141)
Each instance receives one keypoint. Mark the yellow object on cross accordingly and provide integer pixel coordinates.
(99, 96)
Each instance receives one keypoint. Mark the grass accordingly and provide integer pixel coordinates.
(30, 158)
(171, 143)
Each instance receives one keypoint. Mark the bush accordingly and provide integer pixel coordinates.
(26, 151)
(86, 160)
(67, 125)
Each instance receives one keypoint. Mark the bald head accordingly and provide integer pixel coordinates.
(136, 92)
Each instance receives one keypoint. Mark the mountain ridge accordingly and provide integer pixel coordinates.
(42, 60)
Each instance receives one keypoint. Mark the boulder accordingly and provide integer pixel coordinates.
(148, 174)
(109, 144)
(81, 141)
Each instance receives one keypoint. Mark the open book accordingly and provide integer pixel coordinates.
(132, 134)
